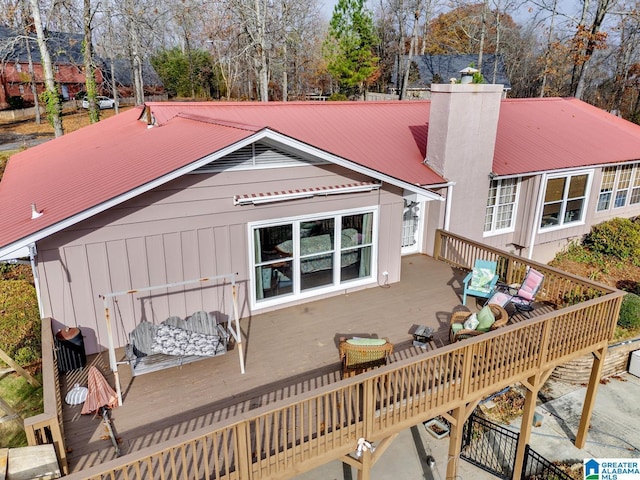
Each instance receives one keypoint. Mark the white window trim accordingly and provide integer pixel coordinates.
(501, 231)
(585, 209)
(301, 295)
(635, 172)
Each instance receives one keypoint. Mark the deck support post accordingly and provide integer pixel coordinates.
(364, 472)
(590, 397)
(457, 419)
(533, 385)
(369, 458)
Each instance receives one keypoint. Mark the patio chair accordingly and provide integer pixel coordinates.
(481, 281)
(519, 299)
(460, 323)
(358, 355)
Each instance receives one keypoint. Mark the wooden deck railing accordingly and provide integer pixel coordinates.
(560, 288)
(47, 427)
(310, 429)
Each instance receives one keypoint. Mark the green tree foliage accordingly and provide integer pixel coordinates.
(19, 321)
(350, 46)
(173, 67)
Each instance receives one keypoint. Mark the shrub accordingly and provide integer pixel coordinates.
(19, 321)
(337, 97)
(618, 237)
(630, 312)
(630, 286)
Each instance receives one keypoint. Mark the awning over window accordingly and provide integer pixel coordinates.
(294, 194)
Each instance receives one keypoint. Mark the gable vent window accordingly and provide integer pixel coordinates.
(257, 156)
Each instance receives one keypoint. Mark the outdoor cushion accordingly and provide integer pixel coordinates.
(531, 284)
(366, 341)
(481, 279)
(471, 323)
(485, 319)
(172, 340)
(456, 327)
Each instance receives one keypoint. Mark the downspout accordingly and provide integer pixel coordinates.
(536, 216)
(36, 280)
(447, 206)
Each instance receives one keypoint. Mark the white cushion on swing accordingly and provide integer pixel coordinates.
(177, 341)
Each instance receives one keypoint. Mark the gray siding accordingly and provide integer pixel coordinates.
(547, 244)
(186, 229)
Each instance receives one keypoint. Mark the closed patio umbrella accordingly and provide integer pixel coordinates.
(100, 393)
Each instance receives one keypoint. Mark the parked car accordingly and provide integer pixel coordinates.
(103, 102)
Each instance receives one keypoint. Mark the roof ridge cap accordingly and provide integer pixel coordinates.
(224, 123)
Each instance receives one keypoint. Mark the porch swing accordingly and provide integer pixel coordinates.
(175, 341)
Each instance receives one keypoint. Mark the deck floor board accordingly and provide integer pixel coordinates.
(287, 352)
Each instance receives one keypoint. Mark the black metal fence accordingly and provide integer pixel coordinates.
(536, 467)
(492, 447)
(489, 446)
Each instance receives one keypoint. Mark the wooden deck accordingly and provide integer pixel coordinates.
(287, 352)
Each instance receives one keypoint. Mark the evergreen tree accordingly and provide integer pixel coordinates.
(349, 48)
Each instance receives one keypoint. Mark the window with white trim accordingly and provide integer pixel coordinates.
(501, 206)
(620, 187)
(565, 199)
(301, 256)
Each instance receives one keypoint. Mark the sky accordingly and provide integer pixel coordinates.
(327, 8)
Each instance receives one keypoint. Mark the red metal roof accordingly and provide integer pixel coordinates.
(377, 135)
(80, 170)
(557, 133)
(85, 169)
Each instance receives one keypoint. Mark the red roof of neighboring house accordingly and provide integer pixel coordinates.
(82, 170)
(545, 134)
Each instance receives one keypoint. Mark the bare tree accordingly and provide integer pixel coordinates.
(412, 48)
(54, 106)
(253, 17)
(587, 39)
(89, 71)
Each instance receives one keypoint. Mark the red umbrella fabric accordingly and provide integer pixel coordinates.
(100, 393)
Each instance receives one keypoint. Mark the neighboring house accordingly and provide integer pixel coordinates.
(428, 69)
(67, 57)
(303, 200)
(123, 73)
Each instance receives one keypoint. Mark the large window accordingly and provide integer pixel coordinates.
(501, 206)
(300, 256)
(620, 187)
(564, 200)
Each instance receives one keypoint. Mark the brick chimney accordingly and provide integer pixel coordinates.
(463, 123)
